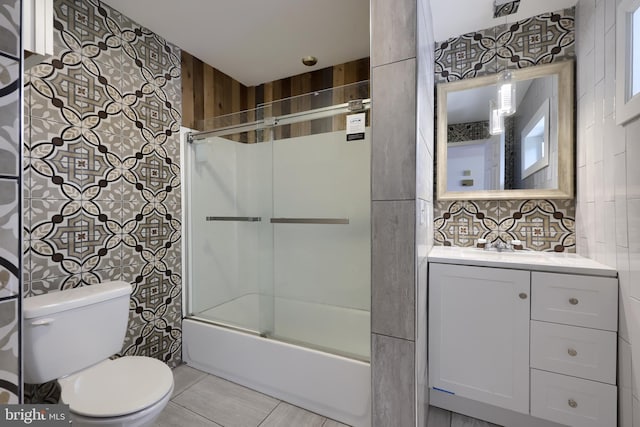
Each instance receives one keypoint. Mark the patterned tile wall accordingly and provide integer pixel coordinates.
(506, 9)
(541, 225)
(544, 225)
(10, 218)
(468, 131)
(541, 39)
(102, 169)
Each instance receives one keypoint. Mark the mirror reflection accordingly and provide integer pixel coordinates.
(524, 152)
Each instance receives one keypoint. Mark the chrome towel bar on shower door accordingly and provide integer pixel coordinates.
(309, 220)
(280, 220)
(234, 218)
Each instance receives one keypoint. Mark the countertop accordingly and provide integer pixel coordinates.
(521, 260)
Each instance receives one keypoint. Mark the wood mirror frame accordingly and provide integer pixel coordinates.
(566, 141)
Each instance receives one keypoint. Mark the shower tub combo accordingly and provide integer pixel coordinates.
(278, 253)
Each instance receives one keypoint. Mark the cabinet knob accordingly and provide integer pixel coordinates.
(573, 301)
(522, 295)
(572, 352)
(573, 403)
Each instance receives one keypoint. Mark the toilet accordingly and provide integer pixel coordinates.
(70, 336)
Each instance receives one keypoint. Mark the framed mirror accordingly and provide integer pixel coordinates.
(525, 151)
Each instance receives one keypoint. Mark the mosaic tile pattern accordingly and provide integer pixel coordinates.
(9, 116)
(9, 347)
(545, 225)
(9, 238)
(42, 393)
(10, 215)
(506, 9)
(541, 225)
(10, 27)
(102, 170)
(468, 131)
(537, 40)
(541, 39)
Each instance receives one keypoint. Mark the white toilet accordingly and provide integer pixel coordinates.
(70, 335)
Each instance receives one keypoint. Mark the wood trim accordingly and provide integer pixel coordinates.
(208, 92)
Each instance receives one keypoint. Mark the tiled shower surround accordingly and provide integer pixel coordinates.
(102, 169)
(545, 225)
(10, 219)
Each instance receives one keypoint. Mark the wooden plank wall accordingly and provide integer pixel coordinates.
(208, 92)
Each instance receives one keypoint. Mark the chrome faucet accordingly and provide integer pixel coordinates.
(498, 247)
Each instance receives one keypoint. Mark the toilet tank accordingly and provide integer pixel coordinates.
(70, 330)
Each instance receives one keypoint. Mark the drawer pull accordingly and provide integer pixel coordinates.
(573, 403)
(572, 352)
(522, 295)
(573, 301)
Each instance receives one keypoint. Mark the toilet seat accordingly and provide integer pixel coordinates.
(118, 387)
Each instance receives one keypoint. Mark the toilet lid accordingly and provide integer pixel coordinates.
(117, 387)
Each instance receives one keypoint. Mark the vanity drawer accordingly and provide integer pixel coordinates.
(571, 350)
(587, 301)
(572, 401)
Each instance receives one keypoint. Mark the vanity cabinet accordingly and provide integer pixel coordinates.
(535, 347)
(574, 320)
(479, 335)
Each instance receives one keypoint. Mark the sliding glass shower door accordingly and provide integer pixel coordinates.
(279, 226)
(230, 238)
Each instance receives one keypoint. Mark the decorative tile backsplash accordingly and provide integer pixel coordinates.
(10, 215)
(506, 9)
(102, 169)
(541, 225)
(544, 225)
(540, 39)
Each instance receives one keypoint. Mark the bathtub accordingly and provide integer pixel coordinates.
(333, 386)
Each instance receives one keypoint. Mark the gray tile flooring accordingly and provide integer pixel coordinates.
(200, 399)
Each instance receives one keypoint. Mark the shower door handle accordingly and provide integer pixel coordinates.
(234, 218)
(309, 220)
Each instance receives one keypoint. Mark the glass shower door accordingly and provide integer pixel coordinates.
(321, 238)
(230, 233)
(279, 229)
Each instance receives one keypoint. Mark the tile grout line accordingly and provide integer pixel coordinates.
(269, 414)
(189, 386)
(196, 413)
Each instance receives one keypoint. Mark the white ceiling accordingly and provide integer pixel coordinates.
(472, 105)
(261, 41)
(258, 41)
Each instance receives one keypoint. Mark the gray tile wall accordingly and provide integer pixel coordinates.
(10, 200)
(402, 206)
(424, 193)
(102, 168)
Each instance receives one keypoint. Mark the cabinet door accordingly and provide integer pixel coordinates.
(479, 334)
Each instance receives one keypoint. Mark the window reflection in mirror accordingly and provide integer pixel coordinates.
(535, 149)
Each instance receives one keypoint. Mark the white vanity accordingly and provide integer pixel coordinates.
(523, 338)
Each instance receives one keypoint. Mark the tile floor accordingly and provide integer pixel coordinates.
(200, 400)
